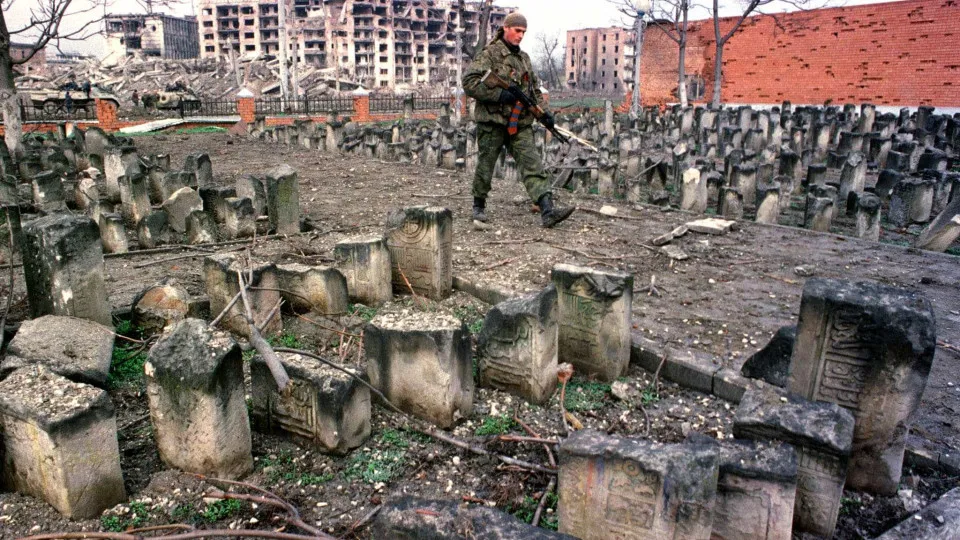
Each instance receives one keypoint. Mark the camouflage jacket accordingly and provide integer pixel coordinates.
(511, 67)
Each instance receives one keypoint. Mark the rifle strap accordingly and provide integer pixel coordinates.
(513, 124)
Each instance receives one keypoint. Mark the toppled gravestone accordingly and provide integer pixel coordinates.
(77, 349)
(322, 408)
(594, 319)
(420, 240)
(320, 289)
(614, 487)
(365, 262)
(938, 521)
(63, 268)
(772, 363)
(222, 284)
(517, 347)
(60, 442)
(869, 348)
(421, 363)
(822, 434)
(196, 394)
(180, 205)
(409, 517)
(159, 306)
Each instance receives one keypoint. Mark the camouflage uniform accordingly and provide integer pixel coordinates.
(492, 117)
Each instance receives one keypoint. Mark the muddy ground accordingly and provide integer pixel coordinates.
(727, 299)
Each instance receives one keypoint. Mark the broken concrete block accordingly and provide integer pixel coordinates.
(63, 267)
(160, 306)
(201, 228)
(283, 200)
(594, 318)
(867, 347)
(323, 408)
(772, 362)
(711, 226)
(77, 349)
(180, 205)
(240, 220)
(320, 289)
(421, 363)
(420, 240)
(823, 436)
(222, 284)
(615, 487)
(365, 263)
(197, 407)
(252, 188)
(517, 347)
(60, 442)
(938, 521)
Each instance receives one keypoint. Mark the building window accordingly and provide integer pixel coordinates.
(584, 50)
(616, 37)
(573, 39)
(696, 87)
(616, 48)
(250, 48)
(604, 37)
(604, 49)
(614, 74)
(209, 48)
(603, 62)
(384, 72)
(603, 86)
(603, 73)
(614, 86)
(616, 61)
(571, 76)
(384, 84)
(573, 62)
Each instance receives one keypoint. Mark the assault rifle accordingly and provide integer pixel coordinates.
(492, 80)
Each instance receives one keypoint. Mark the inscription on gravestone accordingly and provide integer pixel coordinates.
(420, 240)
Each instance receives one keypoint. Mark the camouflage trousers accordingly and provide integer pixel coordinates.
(490, 138)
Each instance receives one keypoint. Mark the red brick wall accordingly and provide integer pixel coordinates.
(899, 53)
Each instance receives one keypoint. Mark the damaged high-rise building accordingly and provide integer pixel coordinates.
(152, 34)
(374, 43)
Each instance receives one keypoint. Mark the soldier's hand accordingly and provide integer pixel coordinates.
(547, 120)
(516, 91)
(507, 98)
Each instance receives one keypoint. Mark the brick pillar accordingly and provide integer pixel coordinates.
(246, 106)
(361, 105)
(106, 114)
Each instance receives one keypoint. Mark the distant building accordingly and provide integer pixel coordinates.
(377, 43)
(155, 34)
(599, 59)
(19, 51)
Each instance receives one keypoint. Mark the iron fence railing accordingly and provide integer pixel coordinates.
(430, 103)
(58, 113)
(386, 103)
(208, 108)
(317, 105)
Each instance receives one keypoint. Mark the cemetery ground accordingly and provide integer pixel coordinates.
(725, 301)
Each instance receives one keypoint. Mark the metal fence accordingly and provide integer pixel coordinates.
(208, 108)
(386, 103)
(430, 103)
(318, 105)
(51, 113)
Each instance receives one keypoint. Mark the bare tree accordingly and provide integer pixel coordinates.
(670, 17)
(748, 7)
(472, 49)
(549, 55)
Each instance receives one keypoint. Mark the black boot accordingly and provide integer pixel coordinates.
(551, 215)
(479, 207)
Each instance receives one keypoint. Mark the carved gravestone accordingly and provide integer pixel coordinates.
(937, 521)
(421, 363)
(822, 434)
(222, 284)
(594, 319)
(60, 442)
(197, 407)
(322, 407)
(63, 266)
(517, 347)
(420, 240)
(614, 487)
(283, 200)
(756, 491)
(320, 289)
(240, 220)
(365, 262)
(867, 347)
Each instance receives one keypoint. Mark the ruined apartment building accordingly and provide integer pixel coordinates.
(154, 34)
(377, 43)
(600, 59)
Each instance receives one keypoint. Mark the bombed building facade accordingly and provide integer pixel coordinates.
(154, 34)
(599, 59)
(378, 43)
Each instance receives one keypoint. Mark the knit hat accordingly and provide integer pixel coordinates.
(514, 20)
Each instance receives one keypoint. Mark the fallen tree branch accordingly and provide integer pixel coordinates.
(615, 216)
(543, 501)
(505, 242)
(260, 344)
(6, 309)
(587, 255)
(499, 264)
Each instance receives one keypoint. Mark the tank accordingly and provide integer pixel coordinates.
(175, 95)
(53, 100)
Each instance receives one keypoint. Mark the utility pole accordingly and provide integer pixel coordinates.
(642, 7)
(459, 86)
(282, 23)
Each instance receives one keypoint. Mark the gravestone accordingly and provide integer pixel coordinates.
(196, 394)
(48, 194)
(252, 187)
(77, 349)
(420, 241)
(160, 306)
(517, 347)
(772, 362)
(615, 487)
(134, 198)
(320, 289)
(240, 220)
(867, 347)
(822, 434)
(63, 268)
(594, 319)
(222, 284)
(421, 363)
(943, 231)
(365, 263)
(60, 442)
(322, 407)
(113, 234)
(744, 177)
(283, 200)
(694, 194)
(868, 217)
(731, 202)
(768, 202)
(180, 205)
(818, 214)
(215, 201)
(937, 521)
(154, 230)
(200, 165)
(201, 228)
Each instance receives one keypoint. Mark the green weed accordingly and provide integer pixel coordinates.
(496, 425)
(221, 509)
(284, 468)
(285, 339)
(138, 516)
(849, 505)
(364, 312)
(185, 513)
(528, 507)
(585, 395)
(126, 366)
(471, 316)
(201, 129)
(380, 465)
(953, 251)
(649, 395)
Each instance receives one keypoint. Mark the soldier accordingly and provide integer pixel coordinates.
(503, 121)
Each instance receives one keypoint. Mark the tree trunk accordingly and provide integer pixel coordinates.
(717, 74)
(10, 104)
(682, 72)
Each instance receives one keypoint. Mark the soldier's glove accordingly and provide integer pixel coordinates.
(507, 98)
(547, 120)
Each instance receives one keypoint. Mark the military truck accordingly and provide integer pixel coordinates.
(53, 100)
(176, 96)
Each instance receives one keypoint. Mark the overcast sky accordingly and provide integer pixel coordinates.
(547, 16)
